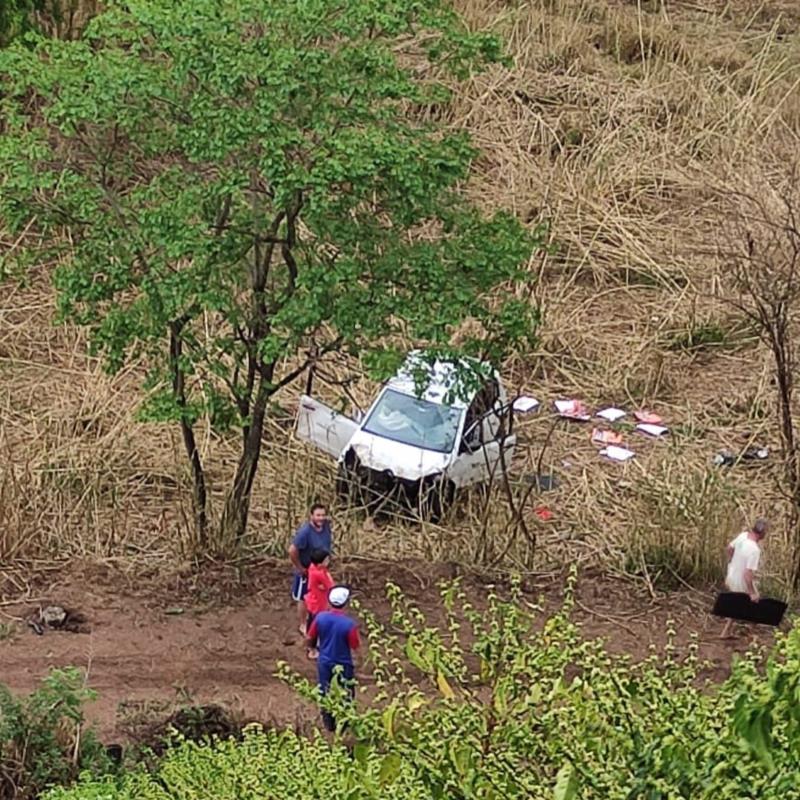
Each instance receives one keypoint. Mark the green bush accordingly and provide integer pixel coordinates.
(42, 740)
(499, 707)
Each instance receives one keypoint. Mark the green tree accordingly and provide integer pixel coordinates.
(233, 189)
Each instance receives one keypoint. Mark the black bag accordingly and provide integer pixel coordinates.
(738, 605)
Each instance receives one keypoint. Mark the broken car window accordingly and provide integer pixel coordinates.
(415, 422)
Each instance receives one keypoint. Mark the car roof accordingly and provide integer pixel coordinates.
(443, 377)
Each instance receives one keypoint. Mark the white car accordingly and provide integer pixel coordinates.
(416, 450)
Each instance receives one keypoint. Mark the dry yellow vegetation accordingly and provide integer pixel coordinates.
(621, 123)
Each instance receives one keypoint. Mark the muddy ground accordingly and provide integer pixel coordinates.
(152, 644)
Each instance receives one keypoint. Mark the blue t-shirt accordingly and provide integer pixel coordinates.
(308, 538)
(335, 637)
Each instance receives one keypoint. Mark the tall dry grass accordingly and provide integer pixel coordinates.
(617, 121)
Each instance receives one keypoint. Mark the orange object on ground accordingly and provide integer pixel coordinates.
(606, 437)
(648, 417)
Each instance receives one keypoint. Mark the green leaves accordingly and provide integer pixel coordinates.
(253, 179)
(16, 17)
(566, 787)
(190, 137)
(390, 768)
(41, 741)
(569, 721)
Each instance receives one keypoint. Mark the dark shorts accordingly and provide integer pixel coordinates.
(309, 619)
(325, 672)
(299, 587)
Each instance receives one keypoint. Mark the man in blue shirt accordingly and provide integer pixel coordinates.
(314, 534)
(336, 636)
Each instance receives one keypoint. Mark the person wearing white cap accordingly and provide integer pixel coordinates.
(335, 635)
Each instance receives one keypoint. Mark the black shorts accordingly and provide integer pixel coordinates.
(299, 587)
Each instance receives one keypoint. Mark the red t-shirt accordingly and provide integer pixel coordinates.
(320, 583)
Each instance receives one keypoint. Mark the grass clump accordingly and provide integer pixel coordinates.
(683, 522)
(709, 335)
(699, 337)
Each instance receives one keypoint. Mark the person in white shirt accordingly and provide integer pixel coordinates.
(744, 554)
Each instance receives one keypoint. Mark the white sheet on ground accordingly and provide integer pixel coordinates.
(611, 414)
(652, 430)
(616, 453)
(523, 404)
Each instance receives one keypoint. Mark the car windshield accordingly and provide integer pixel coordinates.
(419, 423)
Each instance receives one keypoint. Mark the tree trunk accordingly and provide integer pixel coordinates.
(199, 494)
(785, 380)
(237, 502)
(780, 343)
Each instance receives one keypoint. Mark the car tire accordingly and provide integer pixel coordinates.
(436, 499)
(351, 488)
(347, 480)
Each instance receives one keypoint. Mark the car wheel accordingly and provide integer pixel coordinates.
(347, 479)
(353, 485)
(436, 497)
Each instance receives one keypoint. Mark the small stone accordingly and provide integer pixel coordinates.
(53, 615)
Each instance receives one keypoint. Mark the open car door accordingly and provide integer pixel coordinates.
(481, 463)
(323, 427)
(478, 459)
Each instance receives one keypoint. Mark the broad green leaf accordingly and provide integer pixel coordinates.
(566, 787)
(361, 752)
(390, 768)
(444, 687)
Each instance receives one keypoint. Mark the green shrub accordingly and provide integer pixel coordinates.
(499, 707)
(42, 740)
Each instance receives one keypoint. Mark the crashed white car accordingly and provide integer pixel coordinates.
(416, 450)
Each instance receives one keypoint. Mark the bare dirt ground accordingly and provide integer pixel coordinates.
(215, 636)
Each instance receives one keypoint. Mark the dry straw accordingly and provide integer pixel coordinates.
(616, 121)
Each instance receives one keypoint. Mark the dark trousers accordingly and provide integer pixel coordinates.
(325, 671)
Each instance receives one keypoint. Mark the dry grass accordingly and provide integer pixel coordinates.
(616, 122)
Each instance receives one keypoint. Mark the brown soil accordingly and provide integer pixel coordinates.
(215, 637)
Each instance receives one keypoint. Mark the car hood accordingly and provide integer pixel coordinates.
(402, 460)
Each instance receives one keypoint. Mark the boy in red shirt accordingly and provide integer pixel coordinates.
(320, 583)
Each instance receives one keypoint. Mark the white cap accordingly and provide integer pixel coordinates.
(338, 596)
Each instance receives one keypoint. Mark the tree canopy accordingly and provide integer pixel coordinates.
(232, 189)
